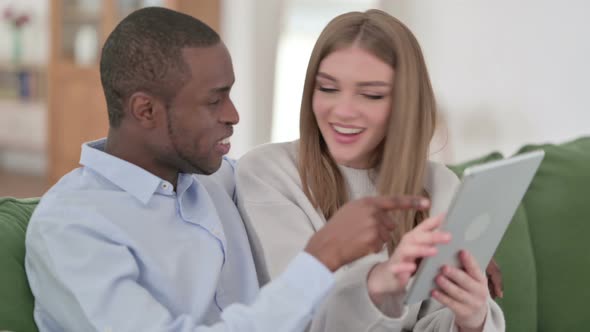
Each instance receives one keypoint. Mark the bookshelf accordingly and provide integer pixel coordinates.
(23, 110)
(23, 82)
(23, 125)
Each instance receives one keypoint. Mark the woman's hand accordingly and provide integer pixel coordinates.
(391, 277)
(465, 292)
(494, 275)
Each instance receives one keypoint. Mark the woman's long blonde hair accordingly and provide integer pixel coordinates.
(400, 160)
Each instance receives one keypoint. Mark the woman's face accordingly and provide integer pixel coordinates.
(352, 104)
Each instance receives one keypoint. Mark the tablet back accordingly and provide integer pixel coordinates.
(478, 216)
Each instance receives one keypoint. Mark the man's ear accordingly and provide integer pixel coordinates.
(144, 109)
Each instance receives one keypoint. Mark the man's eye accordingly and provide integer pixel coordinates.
(215, 102)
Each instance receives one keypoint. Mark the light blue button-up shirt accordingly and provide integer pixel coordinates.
(112, 247)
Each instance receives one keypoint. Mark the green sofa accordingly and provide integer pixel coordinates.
(16, 300)
(543, 255)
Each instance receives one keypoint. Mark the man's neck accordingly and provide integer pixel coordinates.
(138, 155)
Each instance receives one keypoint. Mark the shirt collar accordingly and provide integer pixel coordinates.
(127, 176)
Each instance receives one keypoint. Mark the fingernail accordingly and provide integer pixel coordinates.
(419, 202)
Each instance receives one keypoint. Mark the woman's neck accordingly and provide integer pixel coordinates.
(359, 182)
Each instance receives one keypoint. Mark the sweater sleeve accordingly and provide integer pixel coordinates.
(283, 228)
(271, 202)
(440, 318)
(349, 308)
(280, 226)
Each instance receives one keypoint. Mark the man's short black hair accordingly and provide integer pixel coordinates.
(144, 53)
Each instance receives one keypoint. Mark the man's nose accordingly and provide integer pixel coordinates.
(230, 114)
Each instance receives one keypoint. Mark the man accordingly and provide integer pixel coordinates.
(145, 236)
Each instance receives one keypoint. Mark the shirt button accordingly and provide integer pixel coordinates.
(165, 185)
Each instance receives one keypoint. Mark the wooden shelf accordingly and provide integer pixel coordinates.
(27, 81)
(38, 67)
(80, 17)
(22, 105)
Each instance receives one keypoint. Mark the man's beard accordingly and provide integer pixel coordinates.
(187, 165)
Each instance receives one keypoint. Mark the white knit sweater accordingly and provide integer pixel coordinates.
(280, 220)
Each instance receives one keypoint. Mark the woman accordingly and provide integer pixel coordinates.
(367, 117)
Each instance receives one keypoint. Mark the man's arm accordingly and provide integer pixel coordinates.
(83, 279)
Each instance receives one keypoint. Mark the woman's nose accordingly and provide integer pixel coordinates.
(344, 106)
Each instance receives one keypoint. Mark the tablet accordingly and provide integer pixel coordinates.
(478, 216)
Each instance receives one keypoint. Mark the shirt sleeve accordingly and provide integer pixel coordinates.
(86, 279)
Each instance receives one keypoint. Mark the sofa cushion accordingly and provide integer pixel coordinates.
(16, 306)
(460, 168)
(517, 261)
(558, 209)
(518, 270)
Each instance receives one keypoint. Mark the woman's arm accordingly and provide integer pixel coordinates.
(283, 223)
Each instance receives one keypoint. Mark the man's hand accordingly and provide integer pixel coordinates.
(359, 228)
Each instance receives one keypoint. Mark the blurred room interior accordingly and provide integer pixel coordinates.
(505, 73)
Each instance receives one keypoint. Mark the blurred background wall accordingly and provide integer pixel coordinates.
(505, 73)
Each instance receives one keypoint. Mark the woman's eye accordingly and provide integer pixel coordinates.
(215, 102)
(327, 90)
(373, 97)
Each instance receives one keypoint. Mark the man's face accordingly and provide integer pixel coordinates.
(201, 116)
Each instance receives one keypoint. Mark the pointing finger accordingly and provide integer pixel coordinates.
(400, 203)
